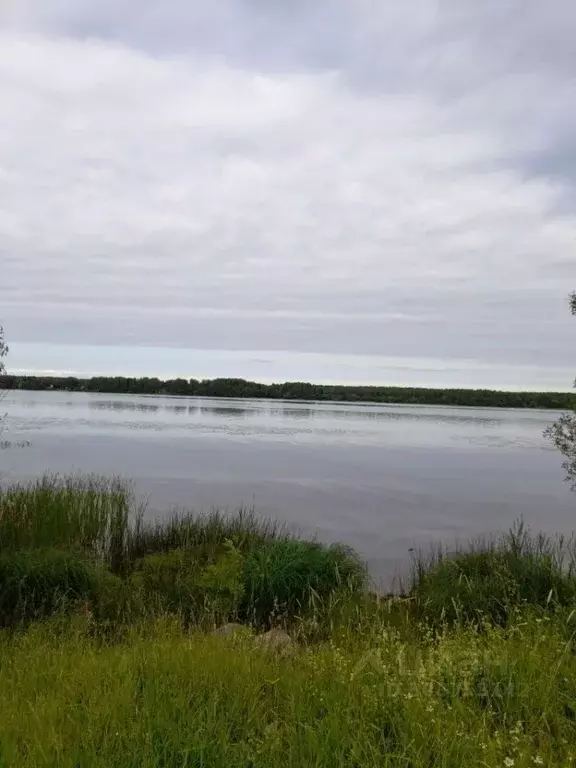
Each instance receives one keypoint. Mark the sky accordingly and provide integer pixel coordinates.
(337, 190)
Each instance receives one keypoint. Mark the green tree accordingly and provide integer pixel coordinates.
(3, 350)
(563, 431)
(3, 353)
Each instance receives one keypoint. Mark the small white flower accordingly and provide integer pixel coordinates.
(538, 760)
(508, 762)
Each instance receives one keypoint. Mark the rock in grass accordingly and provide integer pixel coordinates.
(275, 640)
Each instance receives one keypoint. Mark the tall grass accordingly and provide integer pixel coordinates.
(213, 567)
(100, 516)
(203, 533)
(286, 577)
(89, 513)
(42, 583)
(492, 577)
(167, 698)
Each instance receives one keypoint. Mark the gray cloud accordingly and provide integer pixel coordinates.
(331, 177)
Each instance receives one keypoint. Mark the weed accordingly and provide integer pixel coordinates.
(494, 578)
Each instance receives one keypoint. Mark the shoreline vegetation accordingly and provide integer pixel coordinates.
(223, 640)
(240, 388)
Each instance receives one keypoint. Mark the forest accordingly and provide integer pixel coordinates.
(297, 390)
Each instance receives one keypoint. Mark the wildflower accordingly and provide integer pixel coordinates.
(508, 762)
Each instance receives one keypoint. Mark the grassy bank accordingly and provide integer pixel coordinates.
(163, 697)
(108, 657)
(72, 540)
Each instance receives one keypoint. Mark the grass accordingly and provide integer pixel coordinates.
(107, 656)
(164, 697)
(493, 577)
(205, 568)
(92, 514)
(287, 576)
(39, 583)
(205, 533)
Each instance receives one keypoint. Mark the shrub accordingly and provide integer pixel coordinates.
(111, 598)
(167, 582)
(38, 583)
(222, 582)
(178, 581)
(283, 577)
(495, 578)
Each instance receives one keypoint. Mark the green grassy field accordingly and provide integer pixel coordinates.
(167, 697)
(107, 656)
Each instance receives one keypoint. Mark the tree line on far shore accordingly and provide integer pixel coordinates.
(239, 388)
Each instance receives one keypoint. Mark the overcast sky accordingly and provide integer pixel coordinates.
(365, 180)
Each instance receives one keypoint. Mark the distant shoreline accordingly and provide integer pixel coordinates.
(298, 391)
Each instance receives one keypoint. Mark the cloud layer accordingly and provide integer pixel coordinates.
(315, 177)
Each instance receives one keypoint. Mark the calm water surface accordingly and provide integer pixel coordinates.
(381, 478)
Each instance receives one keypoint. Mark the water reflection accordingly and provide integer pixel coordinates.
(374, 412)
(230, 410)
(381, 413)
(180, 409)
(293, 413)
(123, 405)
(254, 417)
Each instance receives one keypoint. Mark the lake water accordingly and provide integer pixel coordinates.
(381, 478)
